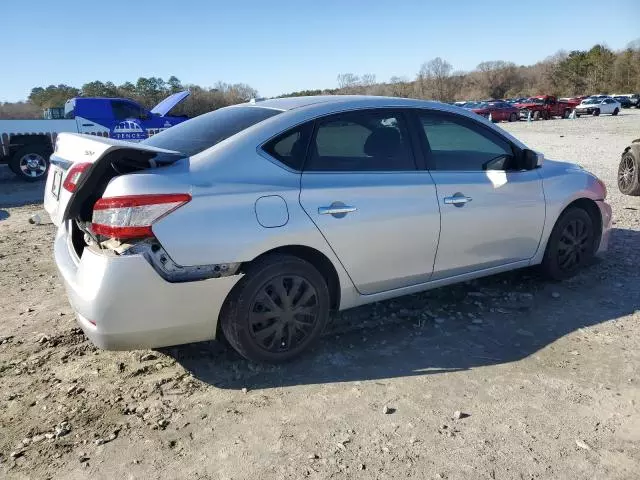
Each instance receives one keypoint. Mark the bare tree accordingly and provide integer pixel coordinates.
(435, 79)
(496, 77)
(346, 80)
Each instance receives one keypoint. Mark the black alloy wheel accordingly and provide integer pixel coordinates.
(284, 313)
(571, 246)
(277, 310)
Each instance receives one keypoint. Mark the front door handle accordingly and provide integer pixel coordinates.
(459, 200)
(337, 209)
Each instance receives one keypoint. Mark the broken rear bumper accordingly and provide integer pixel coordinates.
(122, 303)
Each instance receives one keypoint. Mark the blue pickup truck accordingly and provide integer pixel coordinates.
(27, 144)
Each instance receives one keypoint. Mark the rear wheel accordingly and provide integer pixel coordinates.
(536, 115)
(571, 245)
(616, 111)
(278, 309)
(596, 112)
(567, 113)
(31, 162)
(629, 174)
(513, 117)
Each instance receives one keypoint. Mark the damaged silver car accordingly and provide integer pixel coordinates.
(255, 221)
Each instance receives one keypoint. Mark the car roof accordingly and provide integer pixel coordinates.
(362, 101)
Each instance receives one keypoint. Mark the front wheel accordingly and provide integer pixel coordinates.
(616, 111)
(513, 117)
(279, 309)
(31, 162)
(571, 245)
(629, 174)
(596, 112)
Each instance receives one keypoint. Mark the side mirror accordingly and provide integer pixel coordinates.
(531, 159)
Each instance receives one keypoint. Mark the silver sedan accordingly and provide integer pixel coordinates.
(255, 221)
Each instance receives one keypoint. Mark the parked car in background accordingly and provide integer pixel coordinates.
(254, 221)
(598, 105)
(27, 144)
(499, 110)
(516, 100)
(545, 107)
(633, 99)
(629, 170)
(623, 100)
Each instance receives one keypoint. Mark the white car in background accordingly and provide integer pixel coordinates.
(597, 105)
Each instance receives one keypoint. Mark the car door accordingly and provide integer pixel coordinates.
(490, 215)
(608, 106)
(363, 190)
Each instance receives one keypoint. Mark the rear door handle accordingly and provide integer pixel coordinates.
(336, 209)
(458, 200)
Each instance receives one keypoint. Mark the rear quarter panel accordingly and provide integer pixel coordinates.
(219, 224)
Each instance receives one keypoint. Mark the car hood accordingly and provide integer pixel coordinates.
(168, 103)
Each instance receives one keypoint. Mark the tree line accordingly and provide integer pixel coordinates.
(578, 72)
(146, 91)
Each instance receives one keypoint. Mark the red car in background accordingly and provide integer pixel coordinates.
(498, 109)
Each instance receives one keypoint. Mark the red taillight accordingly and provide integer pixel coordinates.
(74, 176)
(132, 216)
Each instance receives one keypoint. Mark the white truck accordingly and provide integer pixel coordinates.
(25, 145)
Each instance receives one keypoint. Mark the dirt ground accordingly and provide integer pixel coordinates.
(509, 377)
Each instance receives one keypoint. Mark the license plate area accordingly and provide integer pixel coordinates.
(56, 183)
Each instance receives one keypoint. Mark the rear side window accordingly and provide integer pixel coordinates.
(458, 144)
(198, 134)
(363, 141)
(290, 148)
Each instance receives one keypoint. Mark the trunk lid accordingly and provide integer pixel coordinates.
(168, 103)
(105, 158)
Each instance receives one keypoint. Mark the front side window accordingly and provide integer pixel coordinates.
(458, 144)
(361, 141)
(122, 110)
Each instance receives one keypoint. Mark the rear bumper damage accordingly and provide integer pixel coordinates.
(123, 303)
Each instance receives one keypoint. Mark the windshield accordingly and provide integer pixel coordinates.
(69, 108)
(200, 133)
(591, 101)
(539, 101)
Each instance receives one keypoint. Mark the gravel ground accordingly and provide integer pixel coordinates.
(509, 377)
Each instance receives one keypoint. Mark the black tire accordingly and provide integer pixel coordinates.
(571, 245)
(577, 115)
(629, 174)
(566, 114)
(596, 112)
(247, 320)
(31, 163)
(513, 117)
(536, 115)
(615, 112)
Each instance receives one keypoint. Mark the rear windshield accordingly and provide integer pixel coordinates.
(198, 134)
